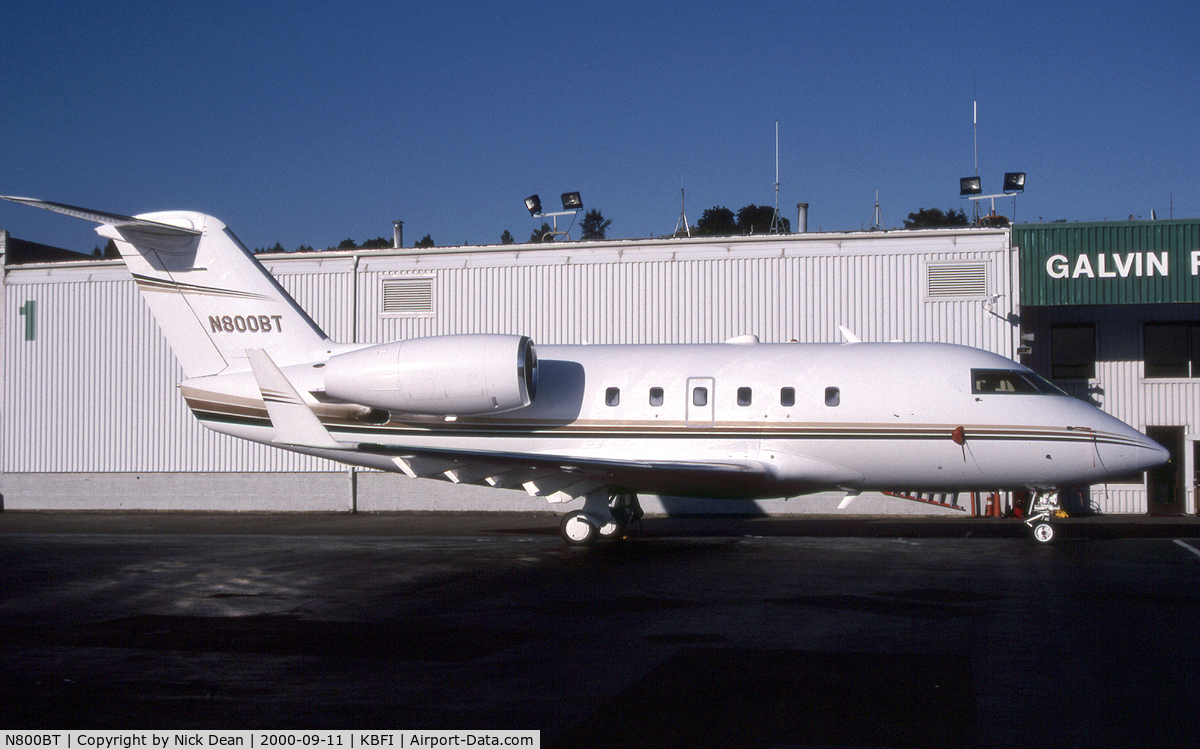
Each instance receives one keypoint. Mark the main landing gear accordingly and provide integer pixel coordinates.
(605, 514)
(1043, 507)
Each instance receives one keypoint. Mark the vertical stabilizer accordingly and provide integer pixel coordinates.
(210, 297)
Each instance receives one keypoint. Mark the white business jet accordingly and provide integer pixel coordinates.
(736, 420)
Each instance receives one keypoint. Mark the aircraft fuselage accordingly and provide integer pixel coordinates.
(814, 417)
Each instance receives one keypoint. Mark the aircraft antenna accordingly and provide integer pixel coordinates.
(776, 220)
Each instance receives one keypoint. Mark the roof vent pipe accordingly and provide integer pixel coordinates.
(801, 218)
(397, 234)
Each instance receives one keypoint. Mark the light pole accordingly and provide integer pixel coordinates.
(971, 188)
(572, 204)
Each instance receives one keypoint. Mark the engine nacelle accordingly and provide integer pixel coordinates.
(455, 375)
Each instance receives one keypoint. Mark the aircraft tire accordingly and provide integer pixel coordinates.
(612, 530)
(1043, 533)
(577, 530)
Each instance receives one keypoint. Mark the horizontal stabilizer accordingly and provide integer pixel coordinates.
(102, 217)
(293, 419)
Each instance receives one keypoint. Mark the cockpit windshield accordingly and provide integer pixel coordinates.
(1011, 381)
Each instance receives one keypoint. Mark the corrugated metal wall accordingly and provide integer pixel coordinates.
(1119, 387)
(798, 288)
(95, 391)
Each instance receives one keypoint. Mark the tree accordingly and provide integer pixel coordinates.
(717, 221)
(347, 244)
(110, 250)
(378, 243)
(594, 225)
(425, 241)
(507, 238)
(543, 234)
(933, 218)
(304, 248)
(757, 219)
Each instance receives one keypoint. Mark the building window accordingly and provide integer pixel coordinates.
(612, 397)
(1171, 349)
(743, 396)
(787, 397)
(1073, 352)
(656, 397)
(833, 396)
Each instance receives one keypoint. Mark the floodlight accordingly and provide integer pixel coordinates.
(1014, 182)
(572, 202)
(969, 186)
(534, 204)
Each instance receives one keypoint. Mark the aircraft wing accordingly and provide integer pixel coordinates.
(561, 478)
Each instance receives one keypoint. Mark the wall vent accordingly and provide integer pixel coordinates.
(407, 296)
(956, 280)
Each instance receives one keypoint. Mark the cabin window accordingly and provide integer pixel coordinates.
(833, 396)
(1073, 352)
(744, 396)
(1171, 349)
(612, 397)
(699, 396)
(787, 397)
(656, 397)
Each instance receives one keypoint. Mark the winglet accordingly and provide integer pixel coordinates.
(293, 419)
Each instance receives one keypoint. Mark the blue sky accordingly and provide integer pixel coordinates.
(310, 122)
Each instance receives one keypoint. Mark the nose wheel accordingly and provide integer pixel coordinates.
(1043, 507)
(1043, 533)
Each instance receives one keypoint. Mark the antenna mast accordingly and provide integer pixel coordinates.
(776, 221)
(975, 116)
(682, 217)
(975, 133)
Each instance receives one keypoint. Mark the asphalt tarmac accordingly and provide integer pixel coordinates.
(747, 632)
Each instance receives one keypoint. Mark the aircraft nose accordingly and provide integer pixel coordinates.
(1133, 452)
(1156, 454)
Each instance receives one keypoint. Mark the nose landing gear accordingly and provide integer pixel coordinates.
(1043, 507)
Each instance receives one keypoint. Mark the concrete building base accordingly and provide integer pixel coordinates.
(370, 491)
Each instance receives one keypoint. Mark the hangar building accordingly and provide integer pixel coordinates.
(92, 419)
(1111, 312)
